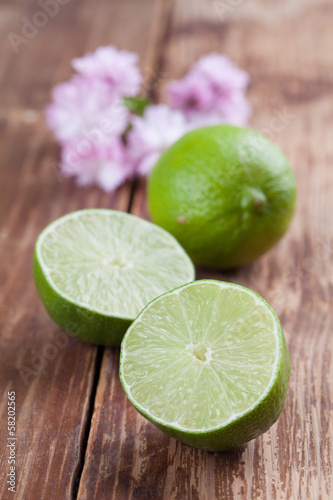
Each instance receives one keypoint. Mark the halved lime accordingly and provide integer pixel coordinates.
(96, 269)
(208, 364)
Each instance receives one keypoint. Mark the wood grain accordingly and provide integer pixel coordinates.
(290, 92)
(78, 436)
(54, 377)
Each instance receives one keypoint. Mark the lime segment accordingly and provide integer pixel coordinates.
(208, 364)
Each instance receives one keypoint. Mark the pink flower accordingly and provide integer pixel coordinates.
(198, 120)
(214, 86)
(236, 112)
(222, 72)
(84, 106)
(89, 118)
(102, 163)
(118, 68)
(190, 94)
(151, 134)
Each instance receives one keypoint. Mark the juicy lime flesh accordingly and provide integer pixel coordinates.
(111, 262)
(201, 356)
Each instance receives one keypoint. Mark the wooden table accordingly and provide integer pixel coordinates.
(77, 435)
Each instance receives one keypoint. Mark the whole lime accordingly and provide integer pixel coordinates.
(226, 193)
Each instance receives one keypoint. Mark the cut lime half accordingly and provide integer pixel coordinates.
(96, 269)
(208, 364)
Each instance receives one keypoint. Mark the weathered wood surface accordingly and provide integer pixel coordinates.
(54, 377)
(286, 47)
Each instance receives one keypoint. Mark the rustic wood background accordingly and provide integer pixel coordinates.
(77, 436)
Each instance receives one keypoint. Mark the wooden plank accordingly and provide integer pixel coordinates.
(53, 376)
(101, 477)
(291, 77)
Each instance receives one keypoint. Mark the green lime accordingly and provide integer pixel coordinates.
(96, 269)
(226, 193)
(208, 364)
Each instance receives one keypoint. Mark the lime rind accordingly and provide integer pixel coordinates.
(241, 427)
(77, 321)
